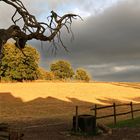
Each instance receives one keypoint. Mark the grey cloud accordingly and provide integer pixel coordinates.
(112, 72)
(112, 35)
(110, 39)
(131, 76)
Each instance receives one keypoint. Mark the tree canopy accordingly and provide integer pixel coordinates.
(82, 75)
(62, 69)
(17, 65)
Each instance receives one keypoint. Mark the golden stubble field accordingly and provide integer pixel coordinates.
(35, 100)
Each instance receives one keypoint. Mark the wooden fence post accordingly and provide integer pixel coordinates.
(114, 108)
(131, 105)
(95, 111)
(76, 119)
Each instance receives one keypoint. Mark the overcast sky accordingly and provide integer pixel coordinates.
(107, 42)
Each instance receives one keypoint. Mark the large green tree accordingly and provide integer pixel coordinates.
(19, 65)
(62, 69)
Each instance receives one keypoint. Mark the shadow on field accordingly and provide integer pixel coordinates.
(13, 108)
(129, 85)
(109, 101)
(8, 98)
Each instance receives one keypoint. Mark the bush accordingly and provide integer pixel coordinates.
(42, 73)
(82, 75)
(49, 76)
(62, 70)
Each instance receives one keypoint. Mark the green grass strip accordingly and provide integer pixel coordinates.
(126, 123)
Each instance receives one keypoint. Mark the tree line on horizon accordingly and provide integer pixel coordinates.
(23, 65)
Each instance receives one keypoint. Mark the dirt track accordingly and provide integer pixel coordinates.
(61, 132)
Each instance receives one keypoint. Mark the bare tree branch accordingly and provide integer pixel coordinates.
(33, 29)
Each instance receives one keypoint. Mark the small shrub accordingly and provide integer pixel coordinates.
(49, 76)
(82, 75)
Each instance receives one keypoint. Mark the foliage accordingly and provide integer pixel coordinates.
(19, 65)
(62, 70)
(82, 75)
(42, 73)
(49, 76)
(46, 75)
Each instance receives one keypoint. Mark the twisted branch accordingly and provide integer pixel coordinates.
(32, 29)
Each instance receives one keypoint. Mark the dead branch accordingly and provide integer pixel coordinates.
(32, 29)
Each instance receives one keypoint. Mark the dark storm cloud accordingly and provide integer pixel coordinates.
(108, 40)
(112, 36)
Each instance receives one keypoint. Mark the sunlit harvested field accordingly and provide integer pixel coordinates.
(89, 92)
(34, 100)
